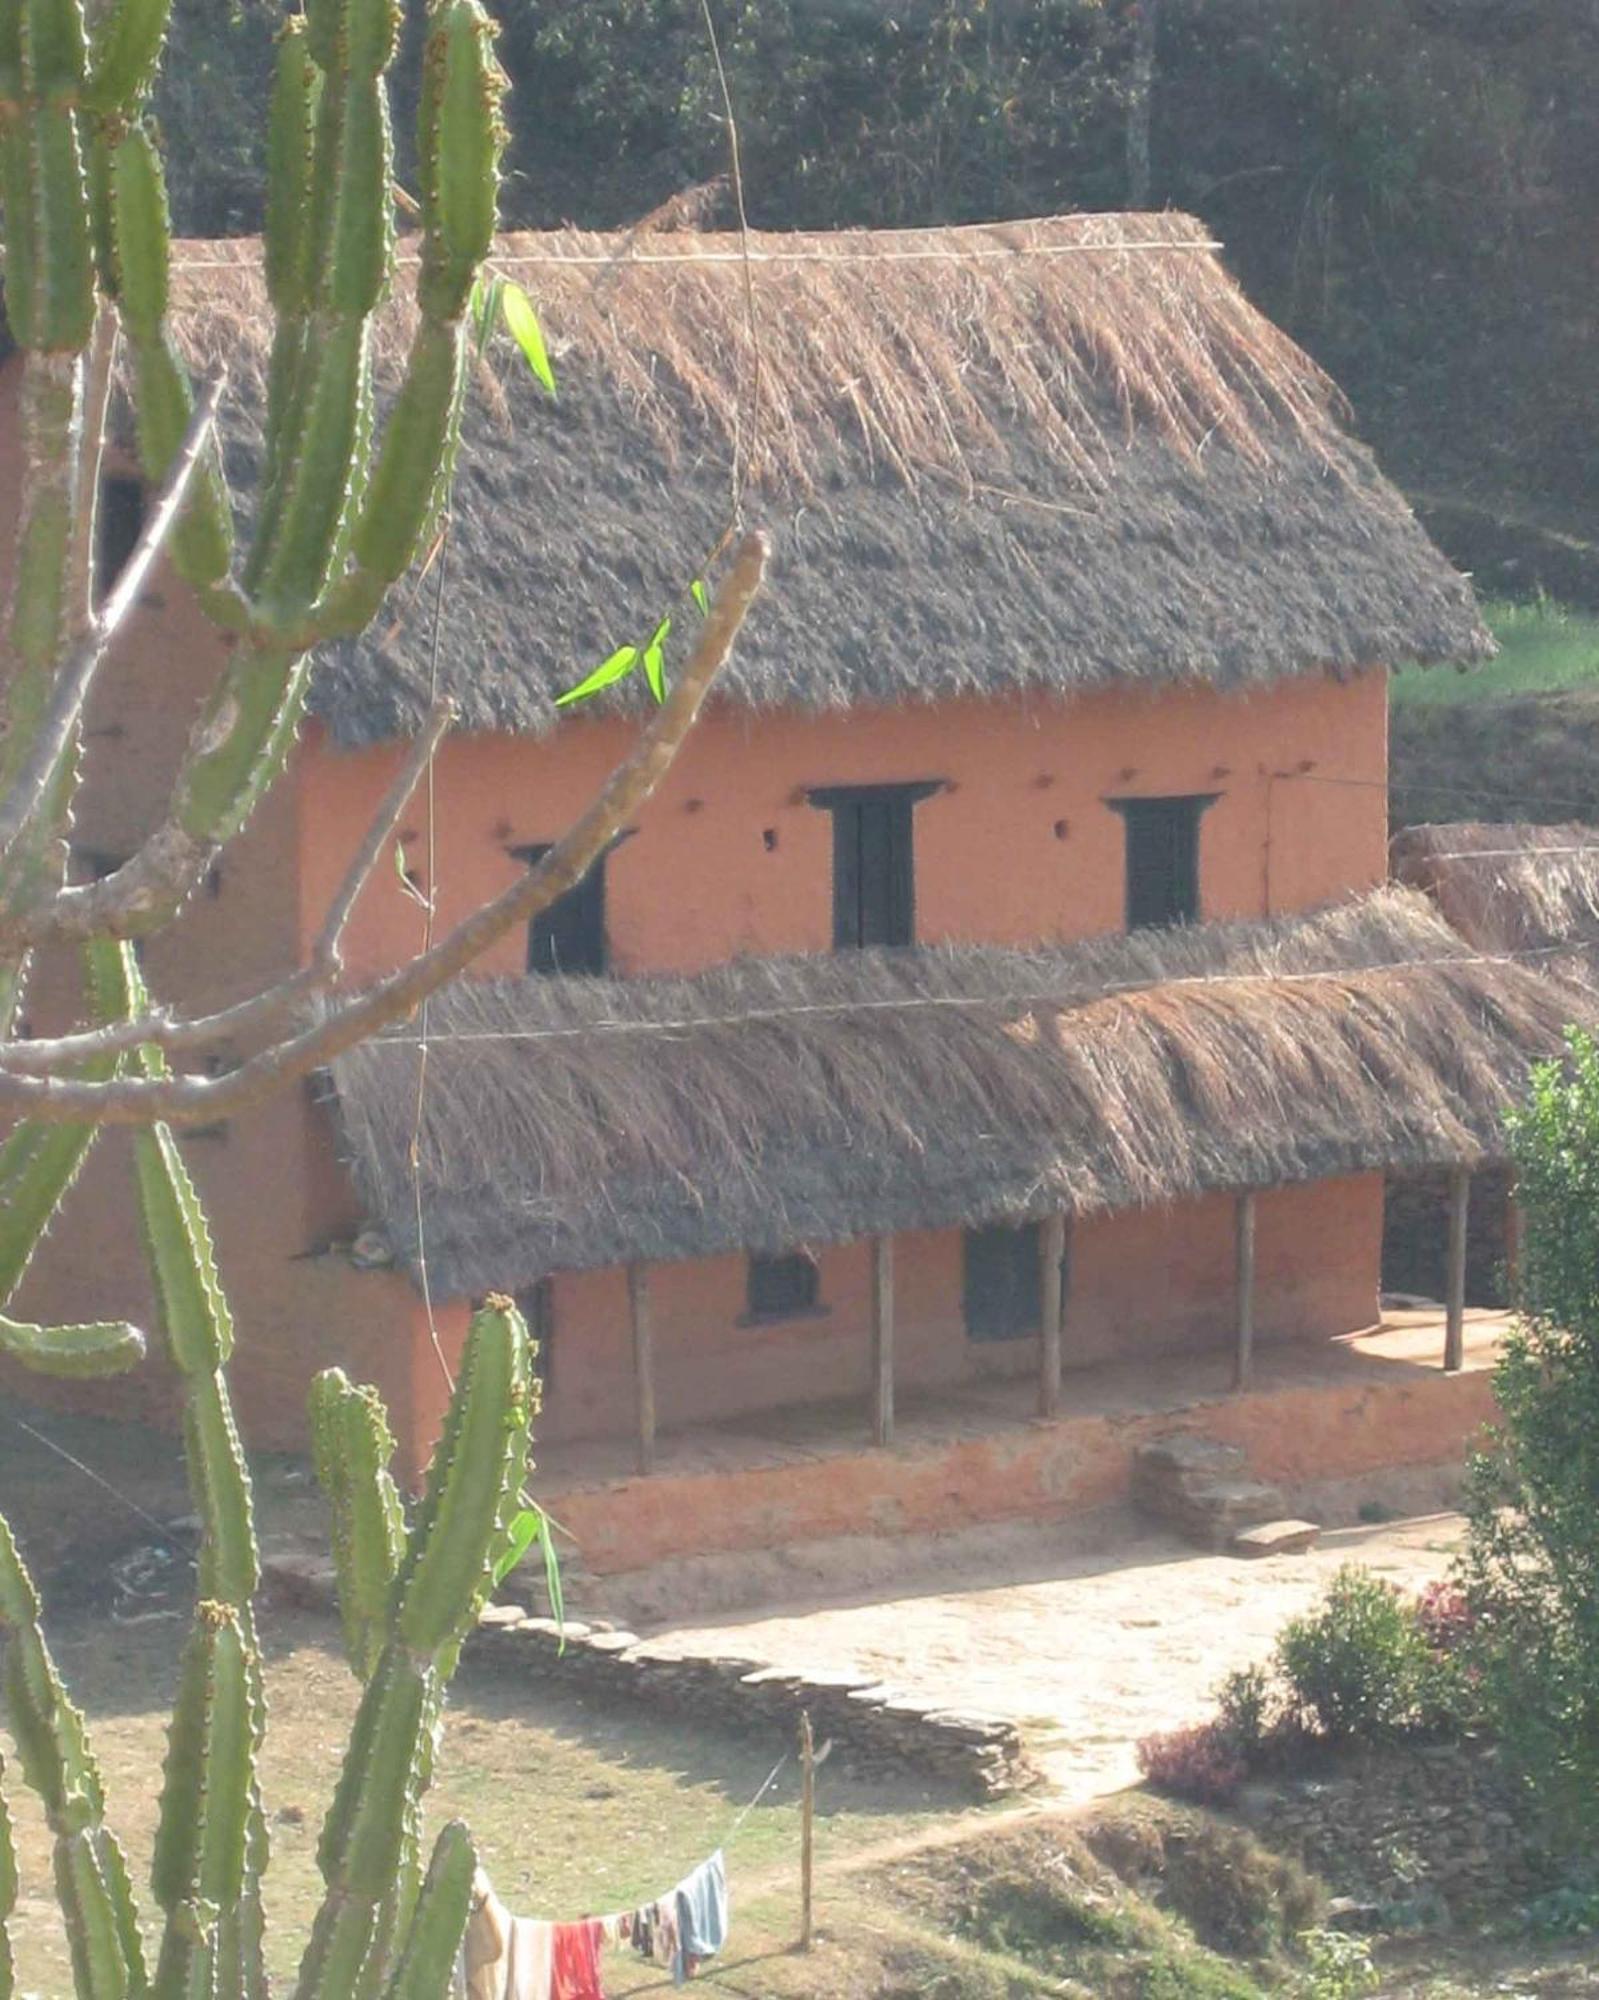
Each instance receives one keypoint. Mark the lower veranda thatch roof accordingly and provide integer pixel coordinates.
(1510, 887)
(573, 1123)
(1040, 455)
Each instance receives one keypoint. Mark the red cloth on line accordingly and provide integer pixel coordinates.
(575, 1961)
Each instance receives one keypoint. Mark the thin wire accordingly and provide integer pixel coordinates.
(430, 906)
(169, 1540)
(736, 175)
(912, 1002)
(771, 1779)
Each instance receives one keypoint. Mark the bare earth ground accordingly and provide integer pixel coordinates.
(1092, 1636)
(1090, 1646)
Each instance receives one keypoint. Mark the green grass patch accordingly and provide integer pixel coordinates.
(1543, 647)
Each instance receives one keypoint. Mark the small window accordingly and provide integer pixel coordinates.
(1162, 859)
(118, 528)
(784, 1287)
(537, 1306)
(1003, 1284)
(569, 937)
(874, 865)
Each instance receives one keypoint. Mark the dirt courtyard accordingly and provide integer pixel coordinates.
(1091, 1638)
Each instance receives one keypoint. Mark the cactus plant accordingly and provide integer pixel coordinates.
(340, 517)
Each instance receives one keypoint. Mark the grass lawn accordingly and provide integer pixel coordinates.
(575, 1810)
(1543, 647)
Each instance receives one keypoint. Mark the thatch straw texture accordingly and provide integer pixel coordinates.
(577, 1123)
(1513, 888)
(1032, 456)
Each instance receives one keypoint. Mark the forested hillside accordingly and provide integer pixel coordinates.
(1409, 185)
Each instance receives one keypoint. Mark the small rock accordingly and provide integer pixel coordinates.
(1276, 1538)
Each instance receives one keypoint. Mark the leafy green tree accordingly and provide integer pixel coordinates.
(1532, 1561)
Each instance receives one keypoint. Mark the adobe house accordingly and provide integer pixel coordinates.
(1004, 982)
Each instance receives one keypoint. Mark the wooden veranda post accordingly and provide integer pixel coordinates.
(1052, 1292)
(1244, 1228)
(638, 1302)
(807, 1828)
(882, 1340)
(1455, 1292)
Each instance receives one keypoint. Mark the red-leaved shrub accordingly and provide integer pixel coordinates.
(1444, 1616)
(1198, 1763)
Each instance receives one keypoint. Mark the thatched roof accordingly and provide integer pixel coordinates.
(1513, 888)
(1031, 456)
(583, 1122)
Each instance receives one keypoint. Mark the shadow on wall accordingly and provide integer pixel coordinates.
(1416, 1233)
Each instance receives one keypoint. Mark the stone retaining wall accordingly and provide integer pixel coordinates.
(877, 1732)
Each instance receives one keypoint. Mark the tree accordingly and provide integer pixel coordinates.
(338, 520)
(1532, 1559)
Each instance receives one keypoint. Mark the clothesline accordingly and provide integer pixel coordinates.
(507, 1957)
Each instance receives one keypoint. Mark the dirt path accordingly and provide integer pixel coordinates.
(1091, 1650)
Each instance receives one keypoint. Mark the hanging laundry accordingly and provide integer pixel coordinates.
(701, 1916)
(575, 1960)
(506, 1957)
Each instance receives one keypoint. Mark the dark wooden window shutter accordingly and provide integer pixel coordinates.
(569, 937)
(1003, 1283)
(782, 1287)
(874, 861)
(1163, 885)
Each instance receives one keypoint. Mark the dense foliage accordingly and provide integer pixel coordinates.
(1533, 1558)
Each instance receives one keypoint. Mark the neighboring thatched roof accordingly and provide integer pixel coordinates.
(584, 1122)
(1509, 887)
(1028, 456)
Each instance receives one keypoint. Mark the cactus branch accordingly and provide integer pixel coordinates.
(195, 1099)
(57, 728)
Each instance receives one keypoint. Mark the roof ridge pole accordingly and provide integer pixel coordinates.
(1244, 1242)
(1455, 1284)
(1052, 1295)
(643, 1323)
(882, 1249)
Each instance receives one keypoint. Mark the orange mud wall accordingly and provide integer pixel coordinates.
(1143, 1284)
(1019, 846)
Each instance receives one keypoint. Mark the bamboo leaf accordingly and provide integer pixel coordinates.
(484, 308)
(655, 660)
(516, 309)
(701, 596)
(524, 1531)
(616, 668)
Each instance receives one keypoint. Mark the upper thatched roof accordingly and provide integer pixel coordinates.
(1510, 887)
(1043, 455)
(583, 1122)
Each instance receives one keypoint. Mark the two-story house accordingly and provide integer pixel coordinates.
(1004, 980)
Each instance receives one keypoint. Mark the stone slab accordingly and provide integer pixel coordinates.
(1276, 1538)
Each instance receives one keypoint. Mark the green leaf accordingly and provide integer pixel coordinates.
(701, 596)
(516, 309)
(655, 660)
(525, 1529)
(617, 668)
(485, 308)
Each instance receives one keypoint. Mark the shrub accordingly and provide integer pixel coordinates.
(1198, 1763)
(1444, 1617)
(1249, 1711)
(1357, 1666)
(1337, 1966)
(1532, 1554)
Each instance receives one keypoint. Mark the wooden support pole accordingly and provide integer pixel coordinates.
(1052, 1293)
(1244, 1236)
(1455, 1293)
(638, 1303)
(882, 1339)
(807, 1827)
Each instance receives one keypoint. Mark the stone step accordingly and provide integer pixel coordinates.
(1202, 1488)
